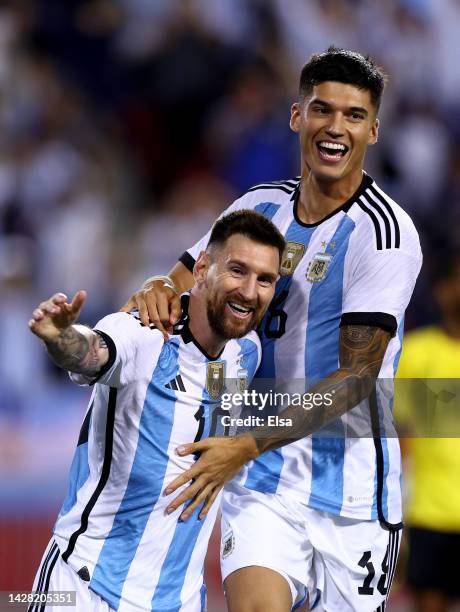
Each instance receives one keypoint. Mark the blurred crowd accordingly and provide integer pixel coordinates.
(126, 126)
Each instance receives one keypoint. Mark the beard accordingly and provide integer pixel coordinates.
(224, 324)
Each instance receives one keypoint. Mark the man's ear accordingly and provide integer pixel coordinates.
(201, 267)
(374, 133)
(294, 123)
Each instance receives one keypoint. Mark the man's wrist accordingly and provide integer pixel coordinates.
(166, 280)
(248, 445)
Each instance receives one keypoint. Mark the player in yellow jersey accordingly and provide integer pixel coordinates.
(429, 409)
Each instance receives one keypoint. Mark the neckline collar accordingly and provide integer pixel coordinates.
(182, 328)
(366, 182)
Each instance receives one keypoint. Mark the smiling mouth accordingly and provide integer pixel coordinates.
(331, 152)
(240, 311)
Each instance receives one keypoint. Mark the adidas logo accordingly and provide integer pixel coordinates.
(176, 384)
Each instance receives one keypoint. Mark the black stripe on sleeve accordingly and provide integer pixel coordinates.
(279, 187)
(112, 355)
(392, 215)
(375, 221)
(187, 260)
(105, 473)
(375, 319)
(386, 221)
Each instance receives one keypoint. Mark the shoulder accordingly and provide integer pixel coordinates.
(382, 223)
(128, 326)
(267, 198)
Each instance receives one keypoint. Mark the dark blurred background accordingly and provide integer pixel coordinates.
(126, 126)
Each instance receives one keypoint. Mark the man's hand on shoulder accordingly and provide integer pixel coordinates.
(158, 302)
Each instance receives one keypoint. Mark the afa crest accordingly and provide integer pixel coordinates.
(293, 253)
(215, 378)
(318, 267)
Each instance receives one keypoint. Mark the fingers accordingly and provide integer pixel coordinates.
(77, 302)
(197, 501)
(51, 306)
(181, 480)
(130, 305)
(194, 447)
(157, 303)
(48, 308)
(151, 314)
(163, 302)
(175, 310)
(189, 493)
(209, 503)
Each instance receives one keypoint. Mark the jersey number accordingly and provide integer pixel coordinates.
(366, 562)
(276, 312)
(200, 417)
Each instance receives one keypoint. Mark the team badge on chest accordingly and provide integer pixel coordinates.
(318, 267)
(293, 253)
(215, 378)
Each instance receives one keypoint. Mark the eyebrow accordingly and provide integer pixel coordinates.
(242, 264)
(352, 109)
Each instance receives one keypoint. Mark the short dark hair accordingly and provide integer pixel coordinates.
(249, 223)
(344, 66)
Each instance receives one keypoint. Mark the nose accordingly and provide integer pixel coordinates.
(335, 127)
(248, 289)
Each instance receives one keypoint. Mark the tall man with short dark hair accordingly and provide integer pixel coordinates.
(321, 514)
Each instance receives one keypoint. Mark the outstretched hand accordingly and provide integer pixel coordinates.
(220, 460)
(54, 315)
(157, 303)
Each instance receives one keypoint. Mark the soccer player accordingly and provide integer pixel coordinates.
(113, 542)
(321, 515)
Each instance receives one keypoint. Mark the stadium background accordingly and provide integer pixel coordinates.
(126, 126)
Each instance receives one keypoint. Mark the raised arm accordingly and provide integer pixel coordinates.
(362, 349)
(76, 348)
(158, 300)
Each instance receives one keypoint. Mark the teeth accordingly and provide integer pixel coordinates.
(239, 307)
(332, 145)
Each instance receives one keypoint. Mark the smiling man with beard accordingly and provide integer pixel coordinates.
(114, 543)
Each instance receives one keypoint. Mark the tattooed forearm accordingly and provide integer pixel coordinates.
(362, 349)
(78, 349)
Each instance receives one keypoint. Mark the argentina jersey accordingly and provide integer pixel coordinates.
(358, 266)
(151, 397)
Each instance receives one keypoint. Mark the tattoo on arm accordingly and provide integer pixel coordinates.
(84, 352)
(361, 351)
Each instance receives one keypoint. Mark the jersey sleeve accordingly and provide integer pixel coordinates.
(189, 257)
(380, 284)
(128, 342)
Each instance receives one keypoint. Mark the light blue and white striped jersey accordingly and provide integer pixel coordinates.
(357, 266)
(151, 397)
